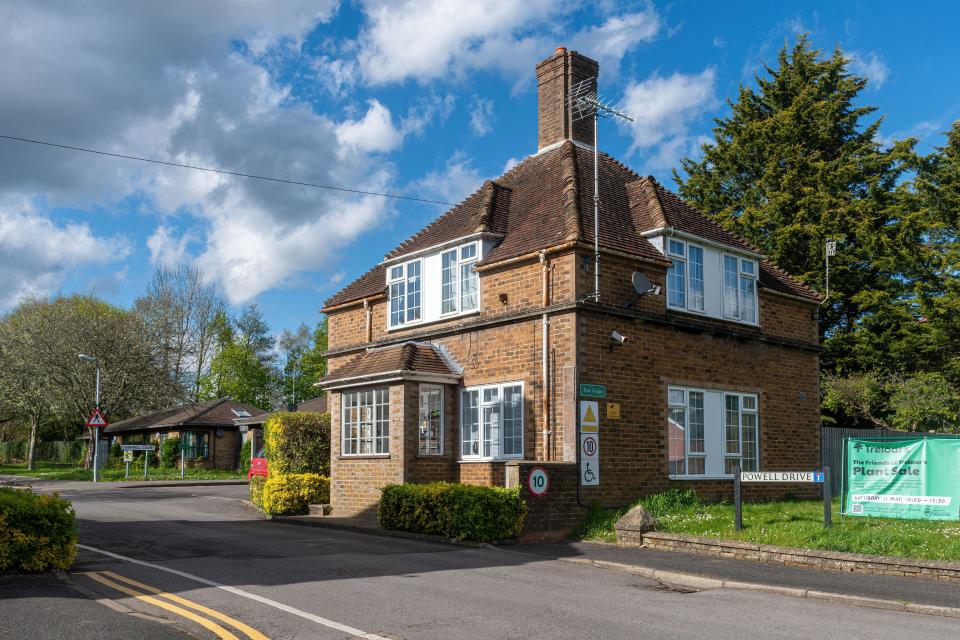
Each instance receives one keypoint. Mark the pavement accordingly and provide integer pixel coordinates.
(161, 552)
(47, 485)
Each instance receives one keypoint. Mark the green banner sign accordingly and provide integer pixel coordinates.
(593, 390)
(915, 478)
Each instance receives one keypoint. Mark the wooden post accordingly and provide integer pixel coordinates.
(737, 508)
(827, 499)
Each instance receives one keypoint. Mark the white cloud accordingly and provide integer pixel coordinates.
(446, 38)
(372, 133)
(511, 163)
(481, 115)
(423, 113)
(869, 65)
(662, 108)
(36, 252)
(458, 179)
(148, 79)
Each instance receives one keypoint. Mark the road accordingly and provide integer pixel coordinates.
(198, 551)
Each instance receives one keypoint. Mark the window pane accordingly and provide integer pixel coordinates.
(696, 278)
(396, 273)
(676, 440)
(730, 278)
(431, 421)
(676, 397)
(747, 266)
(491, 423)
(382, 420)
(366, 422)
(513, 421)
(696, 443)
(396, 304)
(469, 286)
(675, 248)
(748, 299)
(749, 434)
(449, 286)
(470, 423)
(468, 252)
(413, 291)
(676, 284)
(696, 466)
(731, 423)
(749, 403)
(730, 465)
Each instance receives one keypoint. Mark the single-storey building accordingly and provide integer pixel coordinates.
(209, 430)
(467, 353)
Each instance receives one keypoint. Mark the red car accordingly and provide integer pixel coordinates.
(258, 465)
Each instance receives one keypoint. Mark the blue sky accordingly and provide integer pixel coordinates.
(422, 99)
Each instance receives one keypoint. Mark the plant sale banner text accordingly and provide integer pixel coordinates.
(915, 478)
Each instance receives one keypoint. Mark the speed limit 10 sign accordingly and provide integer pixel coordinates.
(538, 481)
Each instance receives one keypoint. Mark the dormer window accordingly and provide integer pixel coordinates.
(404, 283)
(705, 279)
(685, 278)
(434, 286)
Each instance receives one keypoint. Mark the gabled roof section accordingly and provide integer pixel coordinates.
(547, 200)
(212, 413)
(405, 359)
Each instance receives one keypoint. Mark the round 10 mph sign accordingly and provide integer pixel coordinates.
(538, 481)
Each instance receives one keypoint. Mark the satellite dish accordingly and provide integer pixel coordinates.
(641, 284)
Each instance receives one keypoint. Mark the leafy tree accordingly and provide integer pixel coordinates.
(796, 163)
(305, 362)
(238, 370)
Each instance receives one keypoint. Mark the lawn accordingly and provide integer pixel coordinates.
(795, 523)
(51, 471)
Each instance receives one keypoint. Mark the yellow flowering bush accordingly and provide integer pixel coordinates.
(37, 532)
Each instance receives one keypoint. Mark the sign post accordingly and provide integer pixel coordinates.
(181, 460)
(128, 450)
(95, 422)
(813, 477)
(127, 459)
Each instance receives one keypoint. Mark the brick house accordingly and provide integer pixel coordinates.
(459, 357)
(209, 429)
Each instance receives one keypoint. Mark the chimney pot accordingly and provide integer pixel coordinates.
(561, 50)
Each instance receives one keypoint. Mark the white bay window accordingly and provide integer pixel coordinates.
(491, 422)
(366, 422)
(711, 432)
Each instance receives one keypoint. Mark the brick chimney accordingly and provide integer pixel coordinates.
(555, 76)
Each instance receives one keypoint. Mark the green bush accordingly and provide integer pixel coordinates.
(245, 456)
(170, 452)
(115, 456)
(297, 442)
(460, 511)
(37, 532)
(292, 494)
(256, 490)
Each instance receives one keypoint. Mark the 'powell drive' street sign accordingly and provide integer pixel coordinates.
(781, 476)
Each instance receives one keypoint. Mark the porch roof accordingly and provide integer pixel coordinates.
(405, 361)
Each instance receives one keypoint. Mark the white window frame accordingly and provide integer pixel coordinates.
(379, 439)
(430, 388)
(404, 279)
(684, 256)
(458, 264)
(482, 429)
(743, 275)
(720, 449)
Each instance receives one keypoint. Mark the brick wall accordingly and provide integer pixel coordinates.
(224, 449)
(555, 514)
(555, 76)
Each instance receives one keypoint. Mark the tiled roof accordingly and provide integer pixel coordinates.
(547, 200)
(212, 413)
(408, 357)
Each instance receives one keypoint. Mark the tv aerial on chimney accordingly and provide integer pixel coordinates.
(584, 102)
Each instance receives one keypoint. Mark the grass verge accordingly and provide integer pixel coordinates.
(51, 471)
(791, 523)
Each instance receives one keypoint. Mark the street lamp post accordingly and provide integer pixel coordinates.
(96, 430)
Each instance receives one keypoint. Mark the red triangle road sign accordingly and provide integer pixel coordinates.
(96, 419)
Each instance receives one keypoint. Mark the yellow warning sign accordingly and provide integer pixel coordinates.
(613, 410)
(589, 416)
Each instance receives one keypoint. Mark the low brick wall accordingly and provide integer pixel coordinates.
(554, 515)
(812, 558)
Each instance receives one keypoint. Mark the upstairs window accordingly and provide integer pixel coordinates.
(405, 293)
(685, 277)
(739, 289)
(460, 284)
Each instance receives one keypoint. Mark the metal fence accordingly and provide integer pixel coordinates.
(831, 447)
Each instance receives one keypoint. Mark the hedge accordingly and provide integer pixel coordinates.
(245, 458)
(256, 490)
(291, 494)
(37, 532)
(297, 442)
(170, 452)
(464, 512)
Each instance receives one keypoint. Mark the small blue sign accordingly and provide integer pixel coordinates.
(818, 476)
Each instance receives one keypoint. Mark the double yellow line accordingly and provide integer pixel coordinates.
(114, 580)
